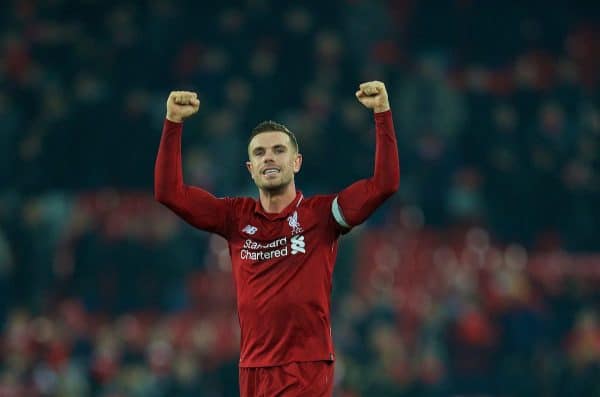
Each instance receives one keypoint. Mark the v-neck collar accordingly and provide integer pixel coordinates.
(287, 211)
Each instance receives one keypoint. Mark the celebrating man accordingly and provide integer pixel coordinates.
(283, 246)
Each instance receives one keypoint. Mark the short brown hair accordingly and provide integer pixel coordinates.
(269, 126)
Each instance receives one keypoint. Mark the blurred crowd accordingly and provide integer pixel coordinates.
(455, 312)
(460, 284)
(128, 301)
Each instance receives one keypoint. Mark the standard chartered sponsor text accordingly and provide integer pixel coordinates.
(257, 251)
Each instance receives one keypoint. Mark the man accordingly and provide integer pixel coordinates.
(282, 246)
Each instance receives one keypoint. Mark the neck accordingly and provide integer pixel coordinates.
(273, 202)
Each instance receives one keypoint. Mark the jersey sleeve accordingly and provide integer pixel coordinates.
(357, 202)
(196, 206)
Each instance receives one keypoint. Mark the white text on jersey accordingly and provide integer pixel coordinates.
(256, 251)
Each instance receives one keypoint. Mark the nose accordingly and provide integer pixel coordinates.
(268, 157)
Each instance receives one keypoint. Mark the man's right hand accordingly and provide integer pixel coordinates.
(181, 105)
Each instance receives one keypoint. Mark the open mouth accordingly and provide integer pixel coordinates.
(271, 171)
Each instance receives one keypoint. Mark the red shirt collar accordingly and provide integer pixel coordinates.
(287, 211)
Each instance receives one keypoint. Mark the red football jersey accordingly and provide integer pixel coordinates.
(282, 263)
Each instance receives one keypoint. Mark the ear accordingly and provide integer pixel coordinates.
(297, 163)
(249, 167)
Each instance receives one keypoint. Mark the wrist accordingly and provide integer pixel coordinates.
(381, 109)
(174, 119)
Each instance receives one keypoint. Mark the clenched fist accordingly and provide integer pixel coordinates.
(373, 95)
(181, 104)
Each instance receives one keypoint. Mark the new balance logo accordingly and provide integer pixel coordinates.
(249, 229)
(298, 244)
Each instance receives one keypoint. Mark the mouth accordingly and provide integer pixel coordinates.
(270, 171)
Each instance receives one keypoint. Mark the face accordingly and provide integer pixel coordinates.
(273, 161)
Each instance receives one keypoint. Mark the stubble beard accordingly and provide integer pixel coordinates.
(275, 189)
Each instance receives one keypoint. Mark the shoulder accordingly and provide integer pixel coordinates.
(241, 204)
(320, 201)
(324, 207)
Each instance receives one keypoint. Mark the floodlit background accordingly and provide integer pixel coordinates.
(481, 277)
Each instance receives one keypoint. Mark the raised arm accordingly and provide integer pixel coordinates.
(195, 205)
(355, 203)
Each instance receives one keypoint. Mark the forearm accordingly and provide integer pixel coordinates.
(362, 198)
(195, 205)
(168, 175)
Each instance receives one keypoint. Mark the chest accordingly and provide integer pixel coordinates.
(258, 228)
(301, 233)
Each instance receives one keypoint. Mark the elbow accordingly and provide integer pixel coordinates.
(167, 200)
(387, 183)
(161, 195)
(394, 186)
(170, 196)
(386, 194)
(390, 187)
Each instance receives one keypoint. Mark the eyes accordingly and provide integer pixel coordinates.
(278, 149)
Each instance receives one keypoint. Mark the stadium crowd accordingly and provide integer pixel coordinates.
(480, 277)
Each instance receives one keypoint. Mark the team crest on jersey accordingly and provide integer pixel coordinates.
(294, 223)
(249, 229)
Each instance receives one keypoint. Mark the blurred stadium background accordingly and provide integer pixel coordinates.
(479, 278)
